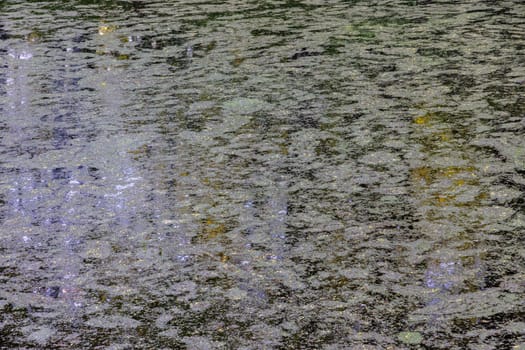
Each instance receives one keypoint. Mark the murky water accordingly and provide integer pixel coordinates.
(262, 175)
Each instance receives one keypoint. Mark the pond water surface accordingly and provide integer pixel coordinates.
(262, 174)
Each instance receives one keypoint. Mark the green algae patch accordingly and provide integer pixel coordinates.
(410, 337)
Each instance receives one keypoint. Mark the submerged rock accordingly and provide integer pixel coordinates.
(304, 53)
(40, 336)
(243, 105)
(50, 292)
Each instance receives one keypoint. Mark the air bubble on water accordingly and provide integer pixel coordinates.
(123, 187)
(69, 276)
(183, 258)
(274, 257)
(24, 55)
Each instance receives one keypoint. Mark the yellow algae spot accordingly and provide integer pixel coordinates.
(422, 173)
(184, 173)
(451, 171)
(237, 61)
(123, 57)
(444, 199)
(103, 84)
(429, 174)
(441, 199)
(422, 119)
(212, 229)
(224, 257)
(211, 45)
(103, 30)
(204, 96)
(140, 151)
(339, 282)
(445, 137)
(466, 245)
(482, 196)
(217, 185)
(459, 182)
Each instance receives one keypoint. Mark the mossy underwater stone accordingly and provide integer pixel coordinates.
(238, 112)
(410, 337)
(242, 105)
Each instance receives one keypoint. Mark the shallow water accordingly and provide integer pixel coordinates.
(262, 175)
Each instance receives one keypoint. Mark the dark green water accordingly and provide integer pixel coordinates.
(262, 175)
